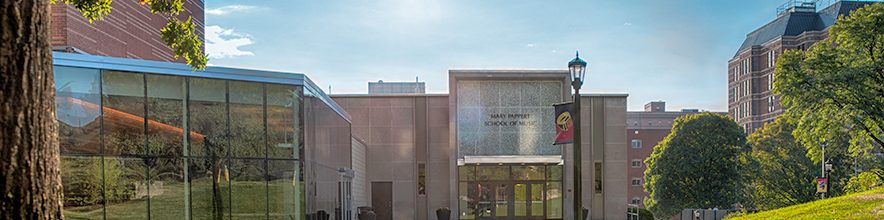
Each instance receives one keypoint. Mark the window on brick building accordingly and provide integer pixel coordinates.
(636, 201)
(636, 181)
(636, 163)
(636, 143)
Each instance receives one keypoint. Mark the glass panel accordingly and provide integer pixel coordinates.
(209, 185)
(536, 199)
(247, 120)
(493, 172)
(82, 178)
(467, 200)
(554, 200)
(283, 125)
(520, 203)
(248, 190)
(123, 105)
(501, 202)
(167, 188)
(528, 172)
(125, 188)
(77, 110)
(284, 190)
(485, 196)
(165, 113)
(208, 117)
(554, 172)
(466, 173)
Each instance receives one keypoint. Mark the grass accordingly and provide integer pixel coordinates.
(864, 205)
(248, 196)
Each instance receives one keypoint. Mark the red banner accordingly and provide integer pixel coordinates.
(564, 124)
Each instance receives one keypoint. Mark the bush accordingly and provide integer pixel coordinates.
(865, 181)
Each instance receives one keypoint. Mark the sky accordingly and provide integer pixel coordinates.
(673, 50)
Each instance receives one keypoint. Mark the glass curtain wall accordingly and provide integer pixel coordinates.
(149, 146)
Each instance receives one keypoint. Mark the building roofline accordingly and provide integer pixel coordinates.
(181, 69)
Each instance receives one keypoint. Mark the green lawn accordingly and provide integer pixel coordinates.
(864, 205)
(249, 197)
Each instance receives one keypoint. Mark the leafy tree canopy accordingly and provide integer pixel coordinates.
(178, 35)
(781, 173)
(835, 89)
(698, 165)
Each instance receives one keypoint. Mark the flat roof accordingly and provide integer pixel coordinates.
(181, 69)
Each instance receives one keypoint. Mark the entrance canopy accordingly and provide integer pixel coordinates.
(512, 159)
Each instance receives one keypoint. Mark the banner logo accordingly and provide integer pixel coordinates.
(564, 124)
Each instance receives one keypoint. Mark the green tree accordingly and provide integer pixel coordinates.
(30, 180)
(834, 92)
(865, 181)
(781, 173)
(698, 165)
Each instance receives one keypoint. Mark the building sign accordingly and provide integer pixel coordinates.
(506, 117)
(564, 124)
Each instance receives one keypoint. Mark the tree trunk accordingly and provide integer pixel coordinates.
(30, 181)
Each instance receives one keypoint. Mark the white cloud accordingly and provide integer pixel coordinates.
(530, 45)
(627, 24)
(224, 10)
(223, 43)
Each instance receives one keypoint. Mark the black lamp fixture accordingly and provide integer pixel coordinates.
(578, 71)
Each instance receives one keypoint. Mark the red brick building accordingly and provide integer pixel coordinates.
(130, 30)
(644, 129)
(750, 72)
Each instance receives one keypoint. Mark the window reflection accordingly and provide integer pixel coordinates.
(282, 111)
(247, 120)
(209, 186)
(138, 146)
(165, 107)
(248, 190)
(82, 180)
(125, 188)
(77, 111)
(123, 101)
(208, 117)
(167, 189)
(284, 190)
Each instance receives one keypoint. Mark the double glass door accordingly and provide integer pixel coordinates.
(510, 200)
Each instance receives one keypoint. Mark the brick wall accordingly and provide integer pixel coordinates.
(130, 30)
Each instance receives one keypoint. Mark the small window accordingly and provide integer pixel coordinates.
(421, 179)
(598, 177)
(636, 143)
(636, 201)
(636, 163)
(636, 182)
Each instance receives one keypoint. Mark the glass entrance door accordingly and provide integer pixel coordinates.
(510, 192)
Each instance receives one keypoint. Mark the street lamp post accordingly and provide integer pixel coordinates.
(578, 70)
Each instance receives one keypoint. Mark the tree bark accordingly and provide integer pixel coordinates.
(29, 156)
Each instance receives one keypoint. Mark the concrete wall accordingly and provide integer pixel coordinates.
(603, 124)
(400, 132)
(361, 196)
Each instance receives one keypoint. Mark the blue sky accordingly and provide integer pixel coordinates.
(674, 50)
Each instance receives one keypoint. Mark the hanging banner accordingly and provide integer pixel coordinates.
(822, 185)
(564, 124)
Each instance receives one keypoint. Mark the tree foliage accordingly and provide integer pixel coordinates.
(865, 181)
(781, 173)
(177, 34)
(698, 165)
(835, 90)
